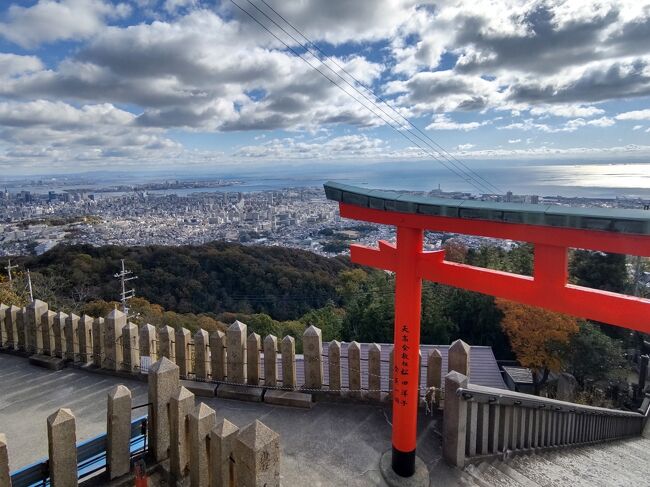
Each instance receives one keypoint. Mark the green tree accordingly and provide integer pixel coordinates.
(599, 270)
(593, 356)
(329, 319)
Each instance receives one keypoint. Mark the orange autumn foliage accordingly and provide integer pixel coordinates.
(535, 334)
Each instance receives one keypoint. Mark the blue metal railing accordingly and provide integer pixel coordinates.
(91, 458)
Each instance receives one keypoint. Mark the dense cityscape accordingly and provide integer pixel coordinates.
(196, 212)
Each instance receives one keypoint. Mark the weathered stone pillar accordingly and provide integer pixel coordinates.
(130, 351)
(62, 447)
(183, 338)
(218, 355)
(118, 432)
(34, 311)
(222, 445)
(99, 335)
(4, 337)
(181, 406)
(10, 324)
(166, 335)
(5, 479)
(253, 345)
(374, 372)
(148, 342)
(201, 355)
(85, 332)
(257, 456)
(458, 359)
(59, 334)
(354, 370)
(71, 338)
(271, 361)
(22, 329)
(434, 374)
(288, 345)
(201, 423)
(47, 332)
(236, 339)
(454, 420)
(113, 356)
(334, 359)
(312, 345)
(164, 384)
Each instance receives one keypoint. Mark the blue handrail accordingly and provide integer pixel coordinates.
(91, 458)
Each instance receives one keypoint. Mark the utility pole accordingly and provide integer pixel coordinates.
(9, 267)
(125, 275)
(29, 284)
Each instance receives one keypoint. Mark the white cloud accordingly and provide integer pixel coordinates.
(464, 147)
(514, 141)
(568, 111)
(634, 115)
(442, 122)
(13, 64)
(53, 20)
(637, 127)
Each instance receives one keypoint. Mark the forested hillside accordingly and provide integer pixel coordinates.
(212, 278)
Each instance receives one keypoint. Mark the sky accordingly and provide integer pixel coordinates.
(99, 84)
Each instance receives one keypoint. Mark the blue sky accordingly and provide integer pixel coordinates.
(95, 84)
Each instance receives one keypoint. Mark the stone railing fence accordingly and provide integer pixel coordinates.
(481, 422)
(206, 451)
(233, 358)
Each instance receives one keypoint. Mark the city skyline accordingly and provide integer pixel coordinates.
(189, 84)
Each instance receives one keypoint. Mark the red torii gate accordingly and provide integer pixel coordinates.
(551, 229)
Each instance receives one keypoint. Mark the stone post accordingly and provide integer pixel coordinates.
(130, 352)
(118, 432)
(71, 339)
(113, 357)
(5, 479)
(47, 332)
(166, 335)
(201, 355)
(201, 423)
(271, 361)
(164, 383)
(85, 331)
(354, 370)
(148, 342)
(454, 421)
(236, 339)
(98, 341)
(222, 445)
(257, 456)
(181, 406)
(59, 335)
(10, 324)
(20, 326)
(34, 311)
(183, 339)
(374, 372)
(4, 337)
(458, 359)
(218, 355)
(62, 447)
(334, 359)
(434, 374)
(312, 345)
(253, 346)
(288, 345)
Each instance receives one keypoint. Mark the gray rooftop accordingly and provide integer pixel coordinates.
(604, 219)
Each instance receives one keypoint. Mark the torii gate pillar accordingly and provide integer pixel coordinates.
(406, 368)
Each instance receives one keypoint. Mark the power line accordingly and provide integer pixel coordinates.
(458, 172)
(443, 152)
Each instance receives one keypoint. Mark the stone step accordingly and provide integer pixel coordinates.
(241, 393)
(288, 398)
(52, 363)
(203, 389)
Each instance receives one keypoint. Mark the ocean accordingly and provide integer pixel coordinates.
(631, 180)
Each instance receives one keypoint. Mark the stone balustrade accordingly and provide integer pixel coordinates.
(480, 422)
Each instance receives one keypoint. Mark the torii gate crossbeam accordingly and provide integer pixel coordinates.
(552, 231)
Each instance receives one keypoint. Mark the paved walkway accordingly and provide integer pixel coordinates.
(333, 444)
